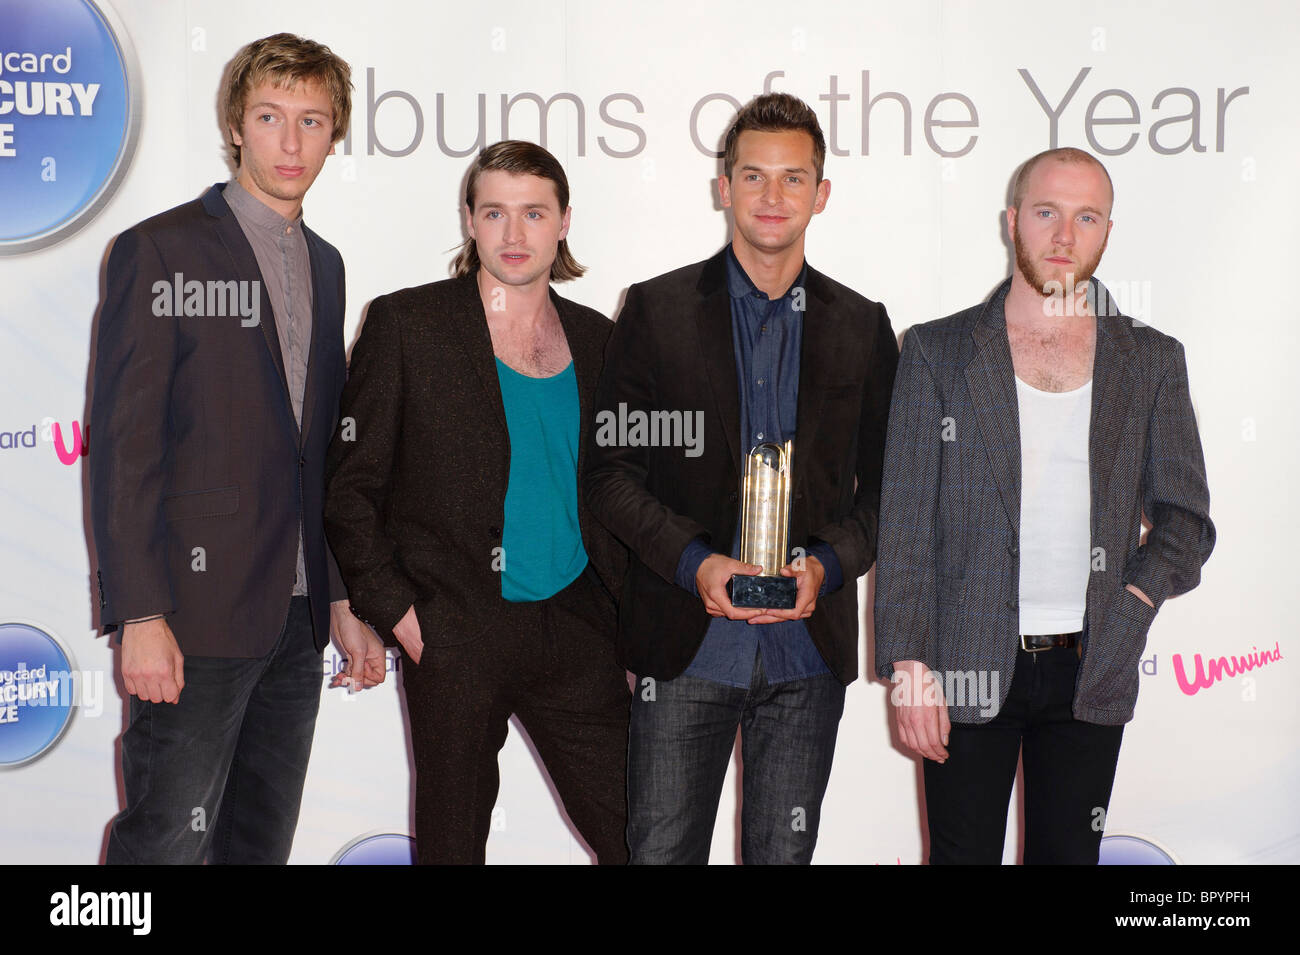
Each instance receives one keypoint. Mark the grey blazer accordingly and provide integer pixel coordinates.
(948, 571)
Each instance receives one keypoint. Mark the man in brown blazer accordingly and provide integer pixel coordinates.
(454, 512)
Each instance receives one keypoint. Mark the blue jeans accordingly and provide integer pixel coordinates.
(680, 742)
(222, 771)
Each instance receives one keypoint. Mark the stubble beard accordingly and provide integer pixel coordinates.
(1038, 277)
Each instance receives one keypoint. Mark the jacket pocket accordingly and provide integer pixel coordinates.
(191, 504)
(1109, 676)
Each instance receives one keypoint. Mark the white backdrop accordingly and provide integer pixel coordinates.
(1203, 247)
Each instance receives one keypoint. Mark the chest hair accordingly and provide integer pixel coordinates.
(539, 351)
(1053, 359)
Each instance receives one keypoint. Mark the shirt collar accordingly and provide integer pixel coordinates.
(740, 285)
(256, 213)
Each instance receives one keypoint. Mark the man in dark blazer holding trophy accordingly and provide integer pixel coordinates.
(760, 348)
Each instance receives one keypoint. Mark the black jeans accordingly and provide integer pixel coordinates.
(1069, 768)
(222, 770)
(550, 662)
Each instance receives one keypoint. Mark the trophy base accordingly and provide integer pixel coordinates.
(772, 593)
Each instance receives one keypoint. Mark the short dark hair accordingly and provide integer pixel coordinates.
(774, 113)
(519, 158)
(1068, 154)
(285, 60)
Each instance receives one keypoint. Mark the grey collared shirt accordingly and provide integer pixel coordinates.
(281, 251)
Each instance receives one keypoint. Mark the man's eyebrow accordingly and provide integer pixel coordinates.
(267, 104)
(1050, 204)
(490, 204)
(785, 169)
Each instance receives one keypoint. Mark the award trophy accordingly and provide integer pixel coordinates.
(765, 529)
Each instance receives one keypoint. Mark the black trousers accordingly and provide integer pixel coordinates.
(552, 664)
(1069, 768)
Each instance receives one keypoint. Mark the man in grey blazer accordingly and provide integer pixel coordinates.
(1028, 438)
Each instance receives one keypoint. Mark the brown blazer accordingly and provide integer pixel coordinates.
(416, 490)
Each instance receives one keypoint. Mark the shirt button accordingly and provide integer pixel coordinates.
(1012, 605)
(759, 436)
(761, 381)
(1013, 550)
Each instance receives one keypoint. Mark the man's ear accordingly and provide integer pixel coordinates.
(724, 191)
(469, 221)
(564, 227)
(1011, 224)
(823, 194)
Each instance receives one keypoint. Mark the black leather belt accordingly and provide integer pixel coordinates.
(1035, 642)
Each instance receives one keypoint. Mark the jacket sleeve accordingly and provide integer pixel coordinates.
(1175, 494)
(905, 603)
(135, 364)
(854, 538)
(359, 469)
(615, 482)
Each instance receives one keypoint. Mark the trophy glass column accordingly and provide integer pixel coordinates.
(765, 529)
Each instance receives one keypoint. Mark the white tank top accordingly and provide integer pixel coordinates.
(1055, 502)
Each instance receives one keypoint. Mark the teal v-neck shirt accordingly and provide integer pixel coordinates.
(541, 541)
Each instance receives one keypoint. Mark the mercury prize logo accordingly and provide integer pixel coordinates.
(69, 117)
(1124, 848)
(380, 848)
(37, 693)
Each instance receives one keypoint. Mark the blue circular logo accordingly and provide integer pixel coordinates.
(36, 693)
(69, 117)
(385, 848)
(1133, 850)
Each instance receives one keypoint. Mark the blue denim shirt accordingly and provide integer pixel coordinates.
(766, 335)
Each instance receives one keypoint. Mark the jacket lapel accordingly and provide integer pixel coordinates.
(476, 342)
(245, 263)
(584, 370)
(715, 342)
(319, 296)
(1111, 387)
(819, 336)
(991, 383)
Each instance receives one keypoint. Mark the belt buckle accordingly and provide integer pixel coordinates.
(1024, 645)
